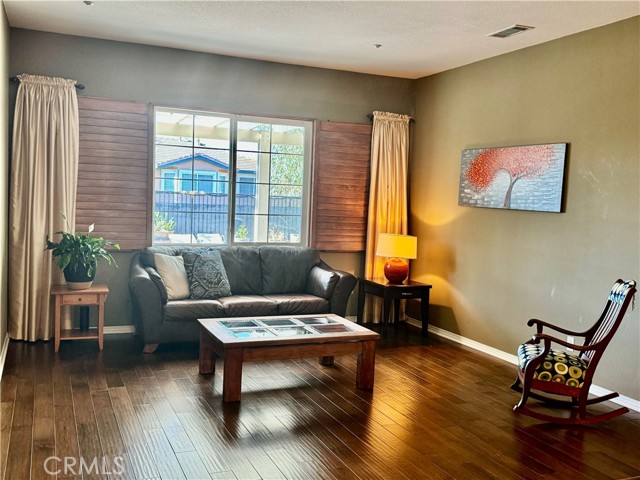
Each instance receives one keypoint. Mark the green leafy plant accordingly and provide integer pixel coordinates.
(81, 250)
(163, 222)
(276, 235)
(242, 233)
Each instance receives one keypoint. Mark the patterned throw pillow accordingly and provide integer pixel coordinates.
(207, 276)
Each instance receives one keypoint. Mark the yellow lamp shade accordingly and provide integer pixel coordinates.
(397, 248)
(400, 246)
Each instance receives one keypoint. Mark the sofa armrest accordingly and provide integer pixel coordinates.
(344, 286)
(321, 282)
(146, 301)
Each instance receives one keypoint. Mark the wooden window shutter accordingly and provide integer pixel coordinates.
(341, 186)
(113, 171)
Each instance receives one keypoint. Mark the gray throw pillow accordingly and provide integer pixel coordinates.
(207, 276)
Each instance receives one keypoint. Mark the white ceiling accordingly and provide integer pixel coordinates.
(418, 38)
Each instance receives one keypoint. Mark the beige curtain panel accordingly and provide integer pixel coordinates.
(388, 190)
(388, 211)
(44, 172)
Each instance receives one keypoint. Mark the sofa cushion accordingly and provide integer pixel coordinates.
(206, 274)
(299, 303)
(147, 254)
(285, 269)
(243, 268)
(248, 306)
(191, 310)
(174, 276)
(321, 282)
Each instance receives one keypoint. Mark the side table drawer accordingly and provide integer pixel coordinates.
(80, 299)
(409, 294)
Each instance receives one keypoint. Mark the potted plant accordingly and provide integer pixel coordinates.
(77, 255)
(163, 225)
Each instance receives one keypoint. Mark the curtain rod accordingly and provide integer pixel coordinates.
(79, 86)
(370, 117)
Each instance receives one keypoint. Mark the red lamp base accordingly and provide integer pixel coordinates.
(396, 270)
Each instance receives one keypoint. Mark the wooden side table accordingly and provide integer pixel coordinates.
(94, 295)
(390, 292)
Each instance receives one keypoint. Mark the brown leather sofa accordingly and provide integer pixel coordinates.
(266, 280)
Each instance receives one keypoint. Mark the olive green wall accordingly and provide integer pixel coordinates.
(491, 269)
(197, 80)
(4, 173)
(165, 76)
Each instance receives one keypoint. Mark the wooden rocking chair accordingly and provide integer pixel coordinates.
(563, 374)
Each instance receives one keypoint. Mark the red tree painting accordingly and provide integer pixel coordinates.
(518, 162)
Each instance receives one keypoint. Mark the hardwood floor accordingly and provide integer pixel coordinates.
(438, 411)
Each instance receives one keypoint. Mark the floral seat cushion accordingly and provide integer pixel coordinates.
(558, 366)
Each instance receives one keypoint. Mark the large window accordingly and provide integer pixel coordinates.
(230, 179)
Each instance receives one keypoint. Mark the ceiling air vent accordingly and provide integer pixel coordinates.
(507, 32)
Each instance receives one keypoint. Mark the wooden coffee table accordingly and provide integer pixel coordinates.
(236, 340)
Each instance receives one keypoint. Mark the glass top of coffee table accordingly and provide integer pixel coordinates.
(283, 327)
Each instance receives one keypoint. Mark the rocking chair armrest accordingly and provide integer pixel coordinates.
(548, 338)
(540, 324)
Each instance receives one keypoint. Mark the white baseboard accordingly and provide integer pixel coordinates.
(116, 329)
(630, 403)
(3, 353)
(494, 352)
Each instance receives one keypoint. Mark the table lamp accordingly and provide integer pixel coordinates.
(397, 248)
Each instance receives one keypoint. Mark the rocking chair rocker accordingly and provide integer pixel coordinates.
(563, 374)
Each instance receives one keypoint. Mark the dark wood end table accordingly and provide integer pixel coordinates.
(390, 292)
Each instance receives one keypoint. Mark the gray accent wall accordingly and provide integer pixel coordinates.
(180, 78)
(164, 76)
(492, 269)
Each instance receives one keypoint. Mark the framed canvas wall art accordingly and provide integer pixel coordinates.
(528, 177)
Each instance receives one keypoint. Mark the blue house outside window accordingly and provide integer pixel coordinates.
(204, 183)
(186, 184)
(168, 181)
(246, 185)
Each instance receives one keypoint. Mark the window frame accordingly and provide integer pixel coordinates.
(308, 166)
(165, 178)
